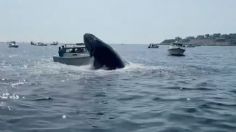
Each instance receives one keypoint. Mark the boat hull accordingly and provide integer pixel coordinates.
(13, 46)
(78, 61)
(176, 51)
(153, 46)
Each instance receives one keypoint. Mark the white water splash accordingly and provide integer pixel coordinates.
(18, 83)
(7, 95)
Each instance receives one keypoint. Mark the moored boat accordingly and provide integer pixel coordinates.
(13, 44)
(32, 43)
(151, 45)
(176, 49)
(41, 44)
(38, 44)
(54, 43)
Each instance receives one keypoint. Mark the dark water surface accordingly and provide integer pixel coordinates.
(154, 93)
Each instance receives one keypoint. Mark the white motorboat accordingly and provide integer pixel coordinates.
(176, 49)
(13, 44)
(73, 54)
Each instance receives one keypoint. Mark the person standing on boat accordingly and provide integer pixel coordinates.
(63, 50)
(60, 52)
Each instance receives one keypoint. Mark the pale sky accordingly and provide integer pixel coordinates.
(114, 21)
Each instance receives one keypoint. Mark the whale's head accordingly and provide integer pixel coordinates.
(91, 42)
(103, 54)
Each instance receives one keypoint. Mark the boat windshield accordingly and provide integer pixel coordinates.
(72, 48)
(76, 50)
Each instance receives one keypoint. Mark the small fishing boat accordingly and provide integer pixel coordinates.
(153, 45)
(38, 44)
(73, 54)
(176, 49)
(41, 44)
(32, 43)
(54, 43)
(13, 44)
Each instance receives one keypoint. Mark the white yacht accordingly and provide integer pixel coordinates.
(176, 49)
(13, 44)
(73, 54)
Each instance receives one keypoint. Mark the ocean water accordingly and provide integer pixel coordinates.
(155, 92)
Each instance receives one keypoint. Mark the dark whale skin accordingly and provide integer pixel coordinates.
(104, 55)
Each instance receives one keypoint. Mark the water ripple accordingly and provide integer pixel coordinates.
(154, 92)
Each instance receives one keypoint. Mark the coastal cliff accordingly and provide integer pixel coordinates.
(216, 39)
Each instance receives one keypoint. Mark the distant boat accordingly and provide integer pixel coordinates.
(41, 44)
(54, 43)
(13, 44)
(38, 44)
(176, 49)
(32, 43)
(153, 45)
(73, 54)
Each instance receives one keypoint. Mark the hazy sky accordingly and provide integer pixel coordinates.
(114, 21)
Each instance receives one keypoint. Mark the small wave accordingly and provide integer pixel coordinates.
(190, 89)
(217, 105)
(18, 83)
(171, 99)
(6, 96)
(13, 56)
(233, 91)
(43, 99)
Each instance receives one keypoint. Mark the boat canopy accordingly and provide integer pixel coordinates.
(71, 46)
(178, 44)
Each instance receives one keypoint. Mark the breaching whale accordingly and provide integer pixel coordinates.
(103, 54)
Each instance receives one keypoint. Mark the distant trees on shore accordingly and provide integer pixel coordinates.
(216, 37)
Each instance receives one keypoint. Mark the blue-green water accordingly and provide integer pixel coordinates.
(153, 93)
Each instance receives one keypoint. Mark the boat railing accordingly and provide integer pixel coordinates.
(69, 46)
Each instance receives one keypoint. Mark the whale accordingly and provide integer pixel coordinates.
(104, 56)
